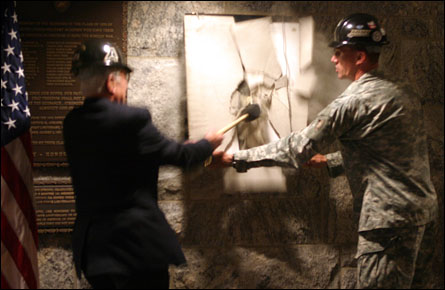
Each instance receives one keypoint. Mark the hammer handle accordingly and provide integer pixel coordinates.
(224, 130)
(233, 124)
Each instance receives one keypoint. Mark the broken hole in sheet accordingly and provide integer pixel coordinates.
(230, 65)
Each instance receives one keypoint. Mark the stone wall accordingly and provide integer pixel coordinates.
(305, 238)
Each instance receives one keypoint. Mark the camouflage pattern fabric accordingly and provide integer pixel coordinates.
(380, 127)
(335, 164)
(398, 258)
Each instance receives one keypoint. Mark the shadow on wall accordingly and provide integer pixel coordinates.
(252, 240)
(329, 87)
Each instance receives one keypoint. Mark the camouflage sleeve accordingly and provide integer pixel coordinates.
(335, 164)
(297, 148)
(279, 153)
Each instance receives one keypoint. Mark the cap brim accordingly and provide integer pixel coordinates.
(121, 66)
(334, 44)
(129, 70)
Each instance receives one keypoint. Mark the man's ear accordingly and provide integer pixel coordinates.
(361, 57)
(111, 83)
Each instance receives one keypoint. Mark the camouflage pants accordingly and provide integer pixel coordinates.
(397, 258)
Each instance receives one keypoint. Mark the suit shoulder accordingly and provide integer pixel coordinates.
(132, 115)
(72, 115)
(102, 112)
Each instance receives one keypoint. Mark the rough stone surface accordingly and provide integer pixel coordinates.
(159, 86)
(56, 267)
(155, 28)
(273, 221)
(348, 278)
(287, 267)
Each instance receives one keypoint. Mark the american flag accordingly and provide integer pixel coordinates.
(18, 220)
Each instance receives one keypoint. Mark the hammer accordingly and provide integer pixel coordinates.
(249, 113)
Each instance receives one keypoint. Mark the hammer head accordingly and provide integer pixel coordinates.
(253, 110)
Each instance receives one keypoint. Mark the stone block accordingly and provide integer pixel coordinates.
(423, 68)
(228, 222)
(285, 267)
(174, 213)
(155, 28)
(344, 230)
(347, 255)
(250, 7)
(56, 266)
(158, 85)
(309, 8)
(348, 278)
(170, 183)
(407, 28)
(380, 9)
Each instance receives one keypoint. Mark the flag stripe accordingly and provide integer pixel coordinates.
(17, 252)
(20, 158)
(19, 190)
(5, 284)
(11, 274)
(18, 223)
(18, 219)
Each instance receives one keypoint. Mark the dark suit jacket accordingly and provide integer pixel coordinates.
(114, 152)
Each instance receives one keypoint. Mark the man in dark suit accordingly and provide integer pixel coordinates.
(121, 239)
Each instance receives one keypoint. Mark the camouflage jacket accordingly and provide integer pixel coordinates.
(383, 144)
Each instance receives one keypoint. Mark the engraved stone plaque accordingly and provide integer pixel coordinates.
(50, 31)
(55, 209)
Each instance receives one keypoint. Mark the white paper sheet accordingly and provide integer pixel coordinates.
(216, 49)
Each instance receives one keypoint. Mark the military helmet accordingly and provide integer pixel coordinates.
(360, 30)
(99, 54)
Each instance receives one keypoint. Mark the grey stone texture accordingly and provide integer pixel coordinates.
(306, 237)
(56, 268)
(159, 85)
(288, 267)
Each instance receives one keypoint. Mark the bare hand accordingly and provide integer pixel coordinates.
(221, 159)
(317, 161)
(189, 141)
(214, 138)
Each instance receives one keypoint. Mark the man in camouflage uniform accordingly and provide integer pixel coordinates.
(384, 155)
